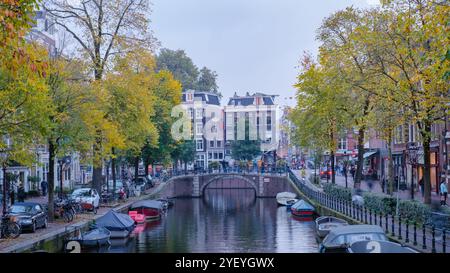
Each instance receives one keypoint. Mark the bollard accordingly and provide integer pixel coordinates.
(433, 240)
(424, 238)
(353, 210)
(400, 227)
(357, 212)
(407, 232)
(370, 216)
(444, 246)
(381, 224)
(415, 234)
(375, 216)
(365, 215)
(387, 223)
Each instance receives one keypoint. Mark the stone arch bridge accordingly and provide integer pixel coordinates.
(195, 185)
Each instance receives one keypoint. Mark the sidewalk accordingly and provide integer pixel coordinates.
(9, 245)
(376, 188)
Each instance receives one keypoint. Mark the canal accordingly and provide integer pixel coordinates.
(224, 220)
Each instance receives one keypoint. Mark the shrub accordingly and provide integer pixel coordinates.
(378, 203)
(33, 193)
(414, 211)
(338, 192)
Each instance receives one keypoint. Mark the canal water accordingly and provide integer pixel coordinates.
(224, 221)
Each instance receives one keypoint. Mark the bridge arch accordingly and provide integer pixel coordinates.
(251, 184)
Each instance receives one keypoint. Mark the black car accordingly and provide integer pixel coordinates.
(30, 216)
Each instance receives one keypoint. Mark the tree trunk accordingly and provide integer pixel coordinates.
(146, 168)
(185, 167)
(136, 167)
(390, 167)
(113, 167)
(51, 180)
(359, 165)
(97, 169)
(333, 175)
(426, 154)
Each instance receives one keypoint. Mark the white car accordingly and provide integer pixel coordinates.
(87, 196)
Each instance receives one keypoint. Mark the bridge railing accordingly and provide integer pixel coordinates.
(179, 173)
(421, 236)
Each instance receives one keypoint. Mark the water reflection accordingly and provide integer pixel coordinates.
(224, 220)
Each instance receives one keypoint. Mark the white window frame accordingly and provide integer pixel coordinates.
(197, 131)
(197, 142)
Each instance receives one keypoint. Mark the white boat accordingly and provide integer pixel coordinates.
(285, 198)
(325, 223)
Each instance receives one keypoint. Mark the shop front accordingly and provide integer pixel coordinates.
(434, 168)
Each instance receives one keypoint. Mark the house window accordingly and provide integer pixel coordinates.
(199, 144)
(220, 155)
(189, 97)
(269, 121)
(214, 129)
(342, 144)
(191, 113)
(199, 128)
(199, 113)
(209, 155)
(219, 143)
(211, 143)
(216, 156)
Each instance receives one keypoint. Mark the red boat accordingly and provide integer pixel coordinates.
(137, 217)
(302, 209)
(151, 209)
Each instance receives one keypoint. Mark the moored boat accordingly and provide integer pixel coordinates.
(137, 217)
(325, 223)
(338, 239)
(151, 209)
(120, 225)
(94, 238)
(284, 197)
(302, 209)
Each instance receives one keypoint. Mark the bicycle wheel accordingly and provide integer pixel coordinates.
(13, 230)
(68, 216)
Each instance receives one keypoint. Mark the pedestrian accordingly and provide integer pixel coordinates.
(21, 194)
(352, 172)
(44, 186)
(444, 192)
(421, 186)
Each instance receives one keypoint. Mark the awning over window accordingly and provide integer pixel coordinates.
(369, 154)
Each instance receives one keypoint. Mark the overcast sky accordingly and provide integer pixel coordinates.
(254, 45)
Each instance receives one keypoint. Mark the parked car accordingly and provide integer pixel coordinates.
(325, 173)
(30, 216)
(87, 196)
(143, 183)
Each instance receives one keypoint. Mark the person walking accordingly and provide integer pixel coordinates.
(352, 172)
(422, 190)
(444, 193)
(44, 186)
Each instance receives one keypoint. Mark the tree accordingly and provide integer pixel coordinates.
(414, 37)
(131, 102)
(246, 149)
(207, 81)
(103, 29)
(167, 92)
(186, 72)
(180, 65)
(185, 152)
(317, 116)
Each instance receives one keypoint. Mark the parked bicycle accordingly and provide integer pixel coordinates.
(9, 228)
(64, 210)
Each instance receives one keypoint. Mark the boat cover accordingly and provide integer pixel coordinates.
(302, 205)
(152, 204)
(96, 234)
(115, 221)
